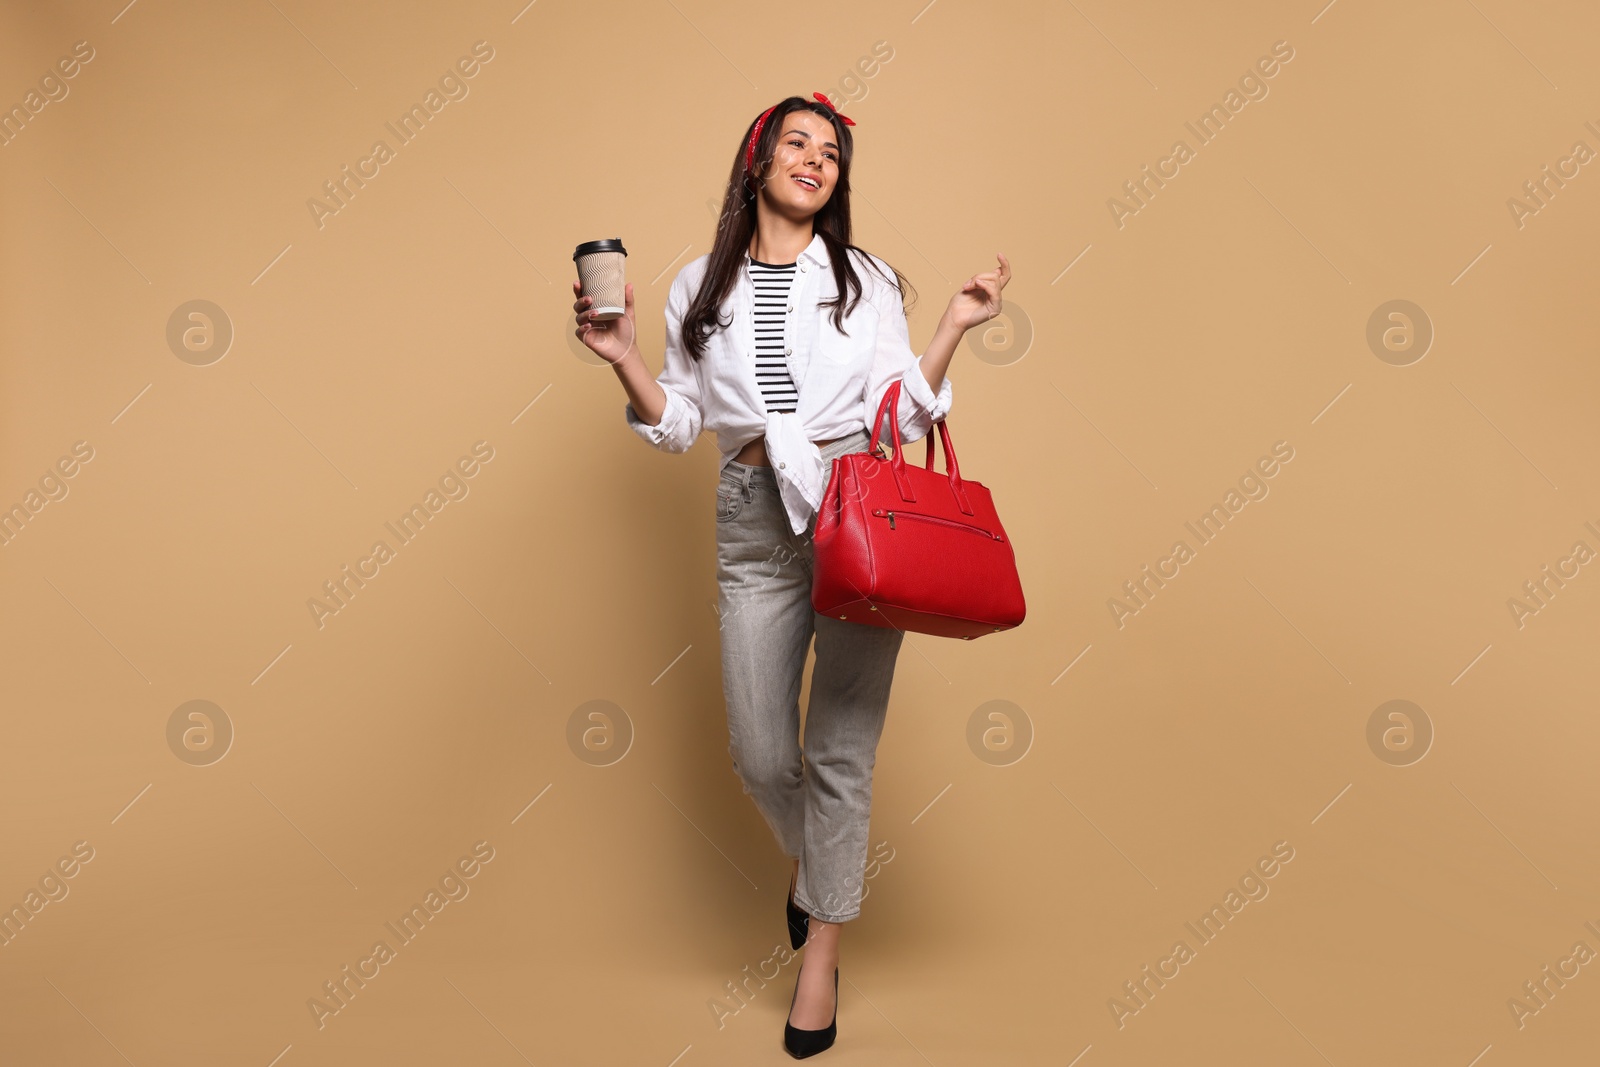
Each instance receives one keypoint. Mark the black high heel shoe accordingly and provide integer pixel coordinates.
(802, 1043)
(798, 921)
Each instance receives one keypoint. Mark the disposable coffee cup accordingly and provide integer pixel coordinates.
(600, 276)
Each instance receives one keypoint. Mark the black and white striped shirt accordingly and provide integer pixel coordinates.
(772, 283)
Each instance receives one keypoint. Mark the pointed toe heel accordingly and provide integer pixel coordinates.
(802, 1043)
(798, 921)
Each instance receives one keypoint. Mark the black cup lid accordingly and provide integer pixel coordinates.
(611, 244)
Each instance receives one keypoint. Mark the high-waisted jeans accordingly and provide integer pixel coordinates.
(817, 807)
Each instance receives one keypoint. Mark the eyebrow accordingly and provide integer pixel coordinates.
(803, 133)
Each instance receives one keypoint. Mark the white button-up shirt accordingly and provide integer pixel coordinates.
(841, 378)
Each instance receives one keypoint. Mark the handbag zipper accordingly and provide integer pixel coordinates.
(936, 518)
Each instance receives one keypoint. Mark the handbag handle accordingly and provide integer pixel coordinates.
(952, 468)
(890, 405)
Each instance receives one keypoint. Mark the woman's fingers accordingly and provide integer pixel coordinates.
(586, 313)
(991, 289)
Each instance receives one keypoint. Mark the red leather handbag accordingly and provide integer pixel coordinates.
(910, 548)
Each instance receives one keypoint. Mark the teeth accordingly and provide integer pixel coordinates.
(810, 184)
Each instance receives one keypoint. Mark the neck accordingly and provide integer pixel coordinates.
(778, 239)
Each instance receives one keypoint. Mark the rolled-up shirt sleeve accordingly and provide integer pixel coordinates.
(919, 406)
(680, 379)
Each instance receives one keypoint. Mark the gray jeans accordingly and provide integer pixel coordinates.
(818, 808)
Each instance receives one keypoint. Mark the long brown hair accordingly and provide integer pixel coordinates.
(737, 223)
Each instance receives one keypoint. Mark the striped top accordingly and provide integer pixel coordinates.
(772, 283)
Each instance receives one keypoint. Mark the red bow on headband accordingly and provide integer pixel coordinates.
(755, 134)
(842, 117)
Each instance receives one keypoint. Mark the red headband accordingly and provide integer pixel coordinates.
(755, 134)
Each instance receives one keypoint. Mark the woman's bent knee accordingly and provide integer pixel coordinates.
(765, 774)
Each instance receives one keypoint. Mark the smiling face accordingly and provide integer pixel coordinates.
(805, 165)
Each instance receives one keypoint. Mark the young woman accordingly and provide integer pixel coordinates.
(783, 340)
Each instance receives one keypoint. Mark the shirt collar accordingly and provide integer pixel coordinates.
(816, 252)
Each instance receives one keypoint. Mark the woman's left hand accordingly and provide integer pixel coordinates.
(979, 298)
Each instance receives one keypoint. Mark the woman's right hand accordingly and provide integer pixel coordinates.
(610, 340)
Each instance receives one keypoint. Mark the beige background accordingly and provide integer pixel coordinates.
(431, 713)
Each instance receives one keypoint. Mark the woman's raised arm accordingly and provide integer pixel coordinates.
(664, 411)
